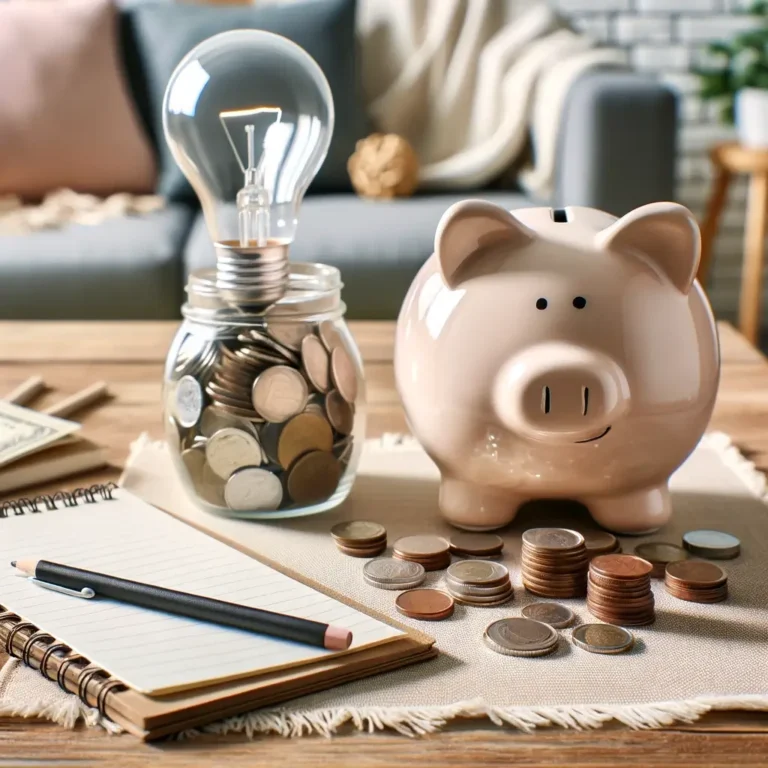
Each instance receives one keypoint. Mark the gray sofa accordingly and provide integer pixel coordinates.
(616, 151)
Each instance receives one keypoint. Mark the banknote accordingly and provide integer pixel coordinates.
(24, 431)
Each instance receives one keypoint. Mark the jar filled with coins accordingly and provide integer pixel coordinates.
(264, 403)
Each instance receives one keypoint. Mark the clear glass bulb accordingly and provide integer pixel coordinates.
(248, 116)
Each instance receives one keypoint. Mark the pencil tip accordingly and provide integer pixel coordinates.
(13, 563)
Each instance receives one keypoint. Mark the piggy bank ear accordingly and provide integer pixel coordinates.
(665, 233)
(468, 227)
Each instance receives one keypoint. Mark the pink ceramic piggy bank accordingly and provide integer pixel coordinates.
(551, 354)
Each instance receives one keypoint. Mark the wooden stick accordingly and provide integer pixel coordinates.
(27, 391)
(85, 397)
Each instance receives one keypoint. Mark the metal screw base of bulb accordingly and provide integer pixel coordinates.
(251, 276)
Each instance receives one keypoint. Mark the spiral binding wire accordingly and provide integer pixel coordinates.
(87, 673)
(57, 500)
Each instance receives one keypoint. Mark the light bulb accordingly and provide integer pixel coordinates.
(248, 116)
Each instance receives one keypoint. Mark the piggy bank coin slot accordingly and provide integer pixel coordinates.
(560, 215)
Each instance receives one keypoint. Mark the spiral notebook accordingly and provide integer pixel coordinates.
(155, 673)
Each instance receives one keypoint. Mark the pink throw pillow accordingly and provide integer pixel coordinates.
(66, 118)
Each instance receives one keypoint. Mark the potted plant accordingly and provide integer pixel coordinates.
(740, 82)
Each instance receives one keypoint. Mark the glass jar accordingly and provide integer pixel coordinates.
(264, 408)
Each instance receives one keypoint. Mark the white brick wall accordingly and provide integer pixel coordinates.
(667, 38)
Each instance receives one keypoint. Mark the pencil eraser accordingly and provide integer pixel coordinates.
(337, 638)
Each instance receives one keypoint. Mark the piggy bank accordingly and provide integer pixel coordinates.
(558, 354)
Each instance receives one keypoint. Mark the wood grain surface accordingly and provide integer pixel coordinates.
(130, 357)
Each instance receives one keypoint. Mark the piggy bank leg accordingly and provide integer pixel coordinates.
(638, 512)
(476, 507)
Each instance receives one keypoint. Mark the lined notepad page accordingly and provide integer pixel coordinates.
(151, 651)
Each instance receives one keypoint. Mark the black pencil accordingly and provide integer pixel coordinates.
(185, 604)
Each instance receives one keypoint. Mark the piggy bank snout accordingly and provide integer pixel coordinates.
(560, 393)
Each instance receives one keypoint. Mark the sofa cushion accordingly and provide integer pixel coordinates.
(165, 32)
(66, 118)
(125, 268)
(379, 246)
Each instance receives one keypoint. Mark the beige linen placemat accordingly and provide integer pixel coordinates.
(694, 659)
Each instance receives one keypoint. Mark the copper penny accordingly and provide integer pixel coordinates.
(313, 477)
(620, 585)
(553, 539)
(358, 533)
(340, 412)
(315, 362)
(600, 542)
(425, 604)
(621, 566)
(329, 335)
(611, 595)
(361, 552)
(344, 374)
(302, 434)
(695, 573)
(421, 546)
(478, 544)
(554, 614)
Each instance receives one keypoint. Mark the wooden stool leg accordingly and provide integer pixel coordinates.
(715, 206)
(752, 269)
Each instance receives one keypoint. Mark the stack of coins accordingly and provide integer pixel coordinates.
(425, 604)
(714, 545)
(520, 637)
(264, 420)
(360, 538)
(389, 573)
(659, 554)
(478, 582)
(432, 552)
(696, 581)
(619, 590)
(554, 562)
(600, 543)
(602, 638)
(480, 545)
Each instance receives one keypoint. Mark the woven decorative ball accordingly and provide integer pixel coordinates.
(383, 166)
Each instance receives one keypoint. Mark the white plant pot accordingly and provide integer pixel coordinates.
(752, 117)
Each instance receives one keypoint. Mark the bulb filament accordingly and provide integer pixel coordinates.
(253, 200)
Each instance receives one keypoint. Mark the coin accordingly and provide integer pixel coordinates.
(390, 571)
(621, 566)
(484, 600)
(371, 551)
(696, 574)
(252, 488)
(434, 564)
(552, 539)
(658, 554)
(478, 544)
(471, 589)
(329, 335)
(315, 362)
(554, 614)
(279, 393)
(339, 412)
(314, 477)
(214, 419)
(303, 433)
(479, 572)
(600, 543)
(425, 604)
(188, 401)
(194, 460)
(344, 374)
(399, 586)
(515, 636)
(421, 546)
(289, 334)
(715, 545)
(230, 449)
(602, 638)
(358, 532)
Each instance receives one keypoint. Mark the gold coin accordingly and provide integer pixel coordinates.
(344, 374)
(279, 393)
(340, 412)
(314, 477)
(315, 362)
(358, 532)
(302, 434)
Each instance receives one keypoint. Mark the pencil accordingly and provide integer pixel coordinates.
(27, 391)
(85, 397)
(184, 604)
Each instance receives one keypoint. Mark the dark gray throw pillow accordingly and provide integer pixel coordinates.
(163, 33)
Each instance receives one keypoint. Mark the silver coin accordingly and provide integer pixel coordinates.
(521, 636)
(503, 597)
(714, 545)
(279, 393)
(251, 488)
(398, 585)
(470, 589)
(478, 572)
(390, 571)
(516, 652)
(231, 449)
(554, 614)
(188, 401)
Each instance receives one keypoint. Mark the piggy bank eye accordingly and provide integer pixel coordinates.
(541, 304)
(579, 302)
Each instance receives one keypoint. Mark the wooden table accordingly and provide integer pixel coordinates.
(727, 160)
(130, 356)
